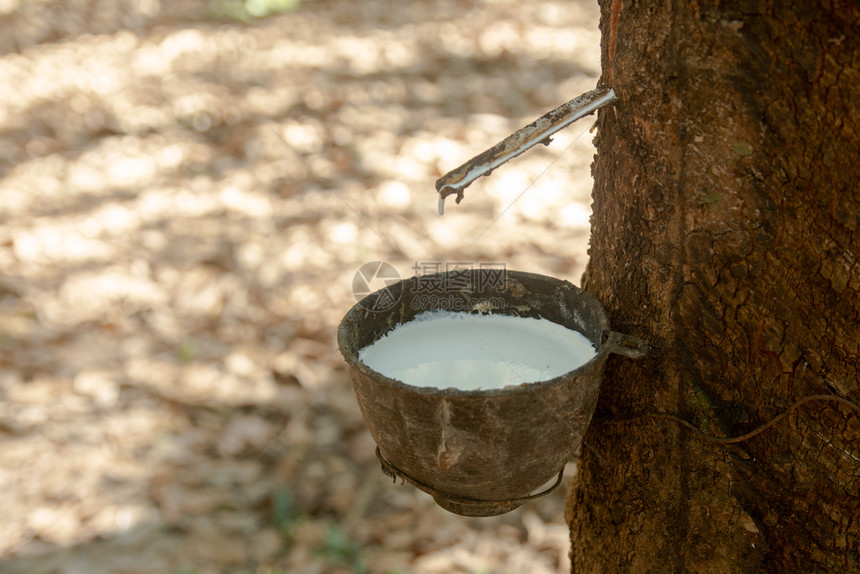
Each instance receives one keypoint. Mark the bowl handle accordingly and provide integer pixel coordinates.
(627, 345)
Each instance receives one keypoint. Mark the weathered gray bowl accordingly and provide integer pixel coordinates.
(479, 453)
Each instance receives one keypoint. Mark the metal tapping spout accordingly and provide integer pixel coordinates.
(539, 131)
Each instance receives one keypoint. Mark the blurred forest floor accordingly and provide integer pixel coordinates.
(172, 274)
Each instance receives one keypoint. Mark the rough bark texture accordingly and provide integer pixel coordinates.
(725, 232)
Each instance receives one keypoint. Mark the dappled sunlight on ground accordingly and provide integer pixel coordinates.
(172, 272)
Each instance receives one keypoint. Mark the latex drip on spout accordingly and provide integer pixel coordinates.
(539, 131)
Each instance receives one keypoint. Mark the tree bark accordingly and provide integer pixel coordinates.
(725, 233)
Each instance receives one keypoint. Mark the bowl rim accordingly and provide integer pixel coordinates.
(603, 348)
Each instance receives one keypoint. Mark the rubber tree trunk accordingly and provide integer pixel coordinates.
(725, 232)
